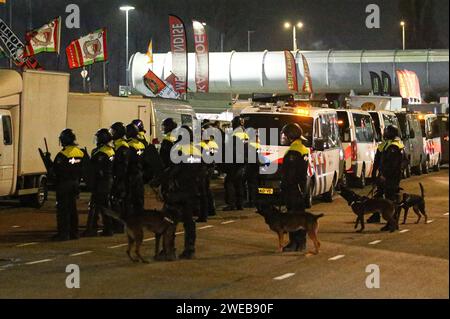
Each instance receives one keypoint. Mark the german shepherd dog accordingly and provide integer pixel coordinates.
(282, 223)
(158, 222)
(362, 205)
(416, 202)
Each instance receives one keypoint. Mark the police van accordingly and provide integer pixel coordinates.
(431, 142)
(359, 143)
(320, 128)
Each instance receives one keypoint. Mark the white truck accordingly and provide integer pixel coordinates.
(87, 113)
(33, 107)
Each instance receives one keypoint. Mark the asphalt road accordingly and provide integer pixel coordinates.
(236, 257)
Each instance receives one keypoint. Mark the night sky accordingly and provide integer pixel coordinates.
(329, 24)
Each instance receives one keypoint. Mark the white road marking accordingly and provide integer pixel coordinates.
(404, 231)
(16, 226)
(38, 261)
(285, 276)
(117, 246)
(375, 242)
(179, 233)
(149, 239)
(336, 257)
(430, 221)
(228, 222)
(446, 214)
(206, 227)
(27, 244)
(82, 253)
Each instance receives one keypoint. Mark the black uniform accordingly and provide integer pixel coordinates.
(135, 198)
(166, 147)
(234, 179)
(68, 169)
(152, 161)
(101, 180)
(183, 194)
(120, 178)
(293, 183)
(387, 169)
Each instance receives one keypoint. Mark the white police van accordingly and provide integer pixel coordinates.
(431, 142)
(320, 128)
(359, 143)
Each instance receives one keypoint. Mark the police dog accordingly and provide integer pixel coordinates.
(416, 202)
(282, 223)
(158, 222)
(362, 205)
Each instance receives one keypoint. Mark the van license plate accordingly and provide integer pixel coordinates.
(265, 191)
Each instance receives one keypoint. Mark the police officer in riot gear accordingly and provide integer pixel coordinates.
(101, 182)
(387, 168)
(234, 185)
(135, 171)
(183, 188)
(67, 169)
(294, 179)
(152, 160)
(120, 171)
(167, 126)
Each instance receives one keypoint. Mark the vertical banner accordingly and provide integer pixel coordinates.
(201, 57)
(15, 49)
(307, 82)
(409, 85)
(387, 83)
(376, 83)
(178, 46)
(291, 71)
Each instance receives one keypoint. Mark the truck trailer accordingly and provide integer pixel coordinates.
(33, 107)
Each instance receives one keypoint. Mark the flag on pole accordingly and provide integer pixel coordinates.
(201, 57)
(150, 52)
(178, 46)
(291, 71)
(88, 50)
(15, 49)
(307, 83)
(45, 39)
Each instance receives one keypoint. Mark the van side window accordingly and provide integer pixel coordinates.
(7, 130)
(433, 126)
(329, 131)
(344, 127)
(363, 128)
(376, 121)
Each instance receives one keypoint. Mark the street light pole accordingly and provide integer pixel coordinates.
(299, 25)
(403, 25)
(127, 9)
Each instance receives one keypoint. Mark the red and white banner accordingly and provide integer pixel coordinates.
(45, 39)
(291, 71)
(178, 46)
(409, 85)
(307, 82)
(88, 50)
(201, 57)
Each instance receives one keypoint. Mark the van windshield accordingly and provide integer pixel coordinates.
(402, 121)
(268, 121)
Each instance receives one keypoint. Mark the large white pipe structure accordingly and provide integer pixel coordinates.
(331, 71)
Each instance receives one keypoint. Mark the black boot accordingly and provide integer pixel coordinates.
(91, 225)
(187, 254)
(374, 219)
(300, 240)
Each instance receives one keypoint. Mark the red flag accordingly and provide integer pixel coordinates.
(291, 71)
(154, 83)
(88, 49)
(307, 83)
(202, 57)
(171, 79)
(45, 39)
(178, 45)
